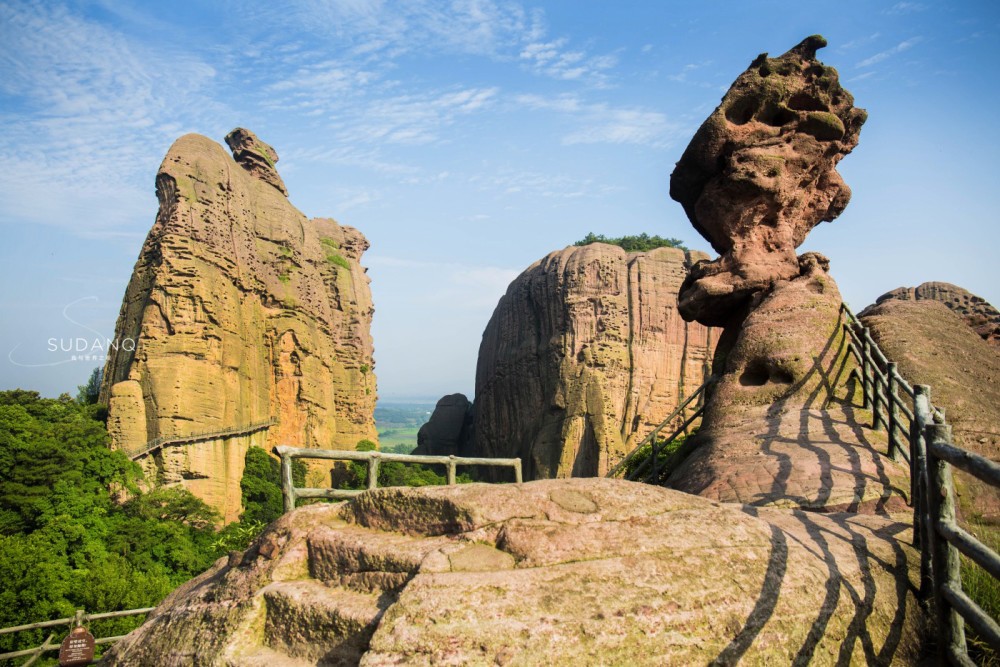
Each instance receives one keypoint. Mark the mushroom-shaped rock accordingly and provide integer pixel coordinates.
(760, 173)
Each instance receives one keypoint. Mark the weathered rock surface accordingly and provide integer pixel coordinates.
(563, 572)
(932, 345)
(449, 431)
(583, 356)
(241, 310)
(976, 311)
(760, 173)
(780, 428)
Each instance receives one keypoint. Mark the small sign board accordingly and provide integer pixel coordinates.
(77, 648)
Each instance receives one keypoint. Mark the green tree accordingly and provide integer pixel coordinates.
(87, 393)
(638, 243)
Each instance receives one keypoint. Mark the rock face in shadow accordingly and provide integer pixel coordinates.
(449, 430)
(976, 311)
(241, 310)
(583, 356)
(781, 429)
(562, 572)
(760, 173)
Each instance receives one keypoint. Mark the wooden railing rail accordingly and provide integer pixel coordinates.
(80, 618)
(657, 446)
(163, 441)
(291, 493)
(936, 532)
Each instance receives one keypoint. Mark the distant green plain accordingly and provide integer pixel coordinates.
(398, 423)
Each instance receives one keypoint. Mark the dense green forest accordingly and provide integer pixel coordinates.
(78, 530)
(637, 243)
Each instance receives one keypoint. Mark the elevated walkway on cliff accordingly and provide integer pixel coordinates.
(222, 434)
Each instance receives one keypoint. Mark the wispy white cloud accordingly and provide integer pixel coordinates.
(684, 75)
(554, 59)
(602, 123)
(417, 118)
(888, 53)
(541, 184)
(85, 111)
(906, 8)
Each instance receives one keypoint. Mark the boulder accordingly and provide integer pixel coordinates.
(584, 355)
(449, 430)
(760, 173)
(933, 345)
(565, 572)
(240, 310)
(976, 311)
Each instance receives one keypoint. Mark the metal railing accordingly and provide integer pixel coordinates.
(80, 618)
(936, 532)
(656, 470)
(291, 493)
(163, 440)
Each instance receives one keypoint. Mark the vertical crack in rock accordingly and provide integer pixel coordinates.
(582, 359)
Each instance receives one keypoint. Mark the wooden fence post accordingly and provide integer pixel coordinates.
(866, 369)
(287, 486)
(451, 469)
(517, 471)
(946, 559)
(373, 471)
(922, 529)
(893, 395)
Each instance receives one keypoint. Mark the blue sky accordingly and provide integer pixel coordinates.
(466, 140)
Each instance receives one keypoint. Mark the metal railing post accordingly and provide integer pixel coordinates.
(946, 559)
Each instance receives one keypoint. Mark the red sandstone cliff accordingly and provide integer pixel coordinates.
(583, 356)
(242, 310)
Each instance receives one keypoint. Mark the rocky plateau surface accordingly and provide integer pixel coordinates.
(242, 310)
(563, 572)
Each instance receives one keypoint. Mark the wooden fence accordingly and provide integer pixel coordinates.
(372, 458)
(925, 444)
(80, 618)
(657, 471)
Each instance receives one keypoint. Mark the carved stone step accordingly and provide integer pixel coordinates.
(308, 620)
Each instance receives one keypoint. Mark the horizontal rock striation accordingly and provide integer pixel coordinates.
(241, 310)
(559, 572)
(583, 356)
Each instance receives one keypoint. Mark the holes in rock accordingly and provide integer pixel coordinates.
(741, 111)
(755, 375)
(759, 372)
(806, 102)
(777, 116)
